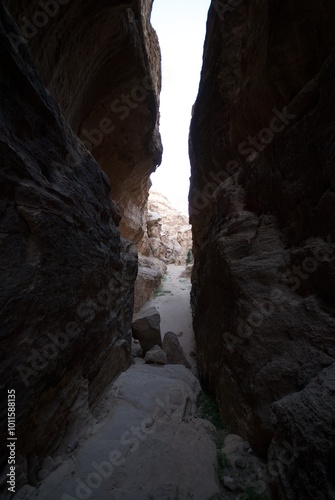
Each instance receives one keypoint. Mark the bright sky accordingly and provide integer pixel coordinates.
(181, 29)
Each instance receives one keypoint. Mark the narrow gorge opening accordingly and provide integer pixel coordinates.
(181, 30)
(86, 413)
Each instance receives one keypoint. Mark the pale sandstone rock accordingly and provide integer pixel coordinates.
(169, 233)
(156, 355)
(149, 277)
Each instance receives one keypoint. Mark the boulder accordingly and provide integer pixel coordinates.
(146, 328)
(174, 351)
(149, 277)
(156, 355)
(187, 273)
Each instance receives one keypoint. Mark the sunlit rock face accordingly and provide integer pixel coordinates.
(101, 62)
(262, 208)
(66, 277)
(169, 234)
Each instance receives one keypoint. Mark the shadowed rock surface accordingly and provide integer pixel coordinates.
(67, 279)
(101, 62)
(262, 209)
(307, 419)
(174, 351)
(146, 328)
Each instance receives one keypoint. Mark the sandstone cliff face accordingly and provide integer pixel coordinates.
(67, 279)
(167, 240)
(101, 62)
(149, 277)
(262, 208)
(169, 233)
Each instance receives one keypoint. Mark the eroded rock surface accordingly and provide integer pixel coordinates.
(67, 279)
(262, 209)
(306, 419)
(101, 62)
(149, 277)
(169, 233)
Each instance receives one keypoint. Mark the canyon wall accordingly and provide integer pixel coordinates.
(67, 277)
(262, 208)
(168, 240)
(169, 233)
(101, 62)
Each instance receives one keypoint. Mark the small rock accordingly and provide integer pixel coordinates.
(43, 474)
(174, 351)
(187, 272)
(136, 349)
(229, 483)
(246, 445)
(232, 444)
(241, 463)
(193, 354)
(155, 355)
(180, 334)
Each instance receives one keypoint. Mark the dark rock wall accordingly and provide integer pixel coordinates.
(101, 62)
(66, 293)
(262, 210)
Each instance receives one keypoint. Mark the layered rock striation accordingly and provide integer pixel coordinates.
(149, 277)
(169, 233)
(67, 278)
(101, 62)
(262, 209)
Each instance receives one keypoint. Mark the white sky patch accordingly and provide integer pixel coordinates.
(181, 29)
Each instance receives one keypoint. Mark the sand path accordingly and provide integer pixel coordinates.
(172, 300)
